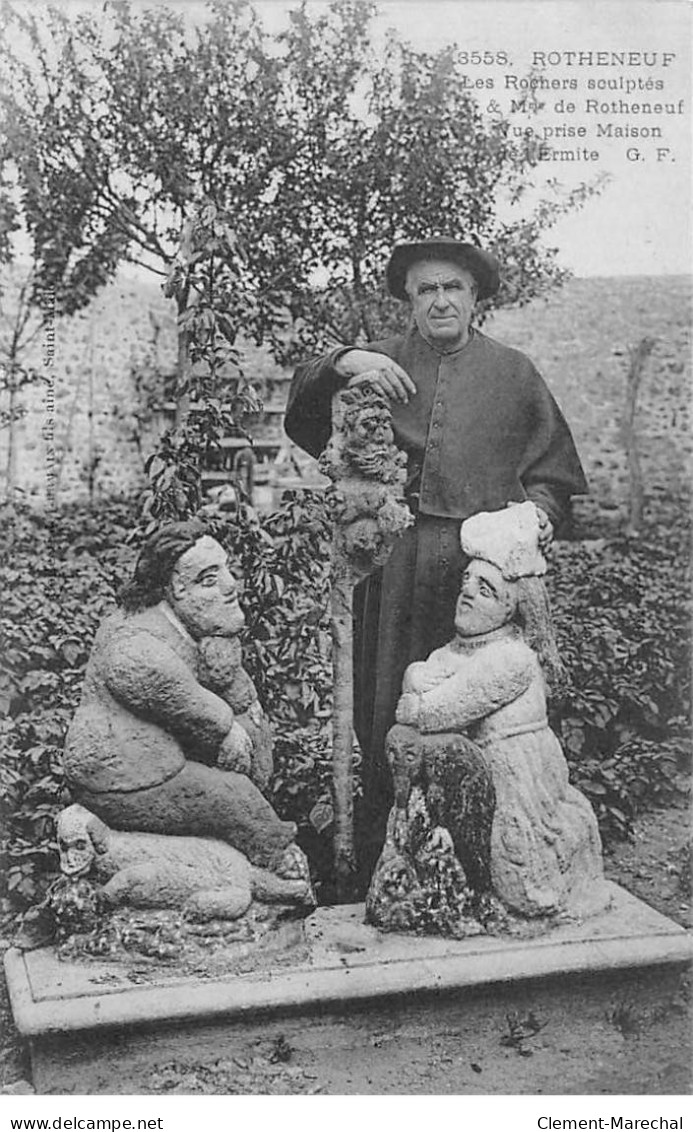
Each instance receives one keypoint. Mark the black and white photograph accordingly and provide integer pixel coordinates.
(345, 483)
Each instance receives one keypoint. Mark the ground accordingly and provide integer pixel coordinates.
(655, 864)
(626, 1038)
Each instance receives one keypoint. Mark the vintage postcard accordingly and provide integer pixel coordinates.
(330, 806)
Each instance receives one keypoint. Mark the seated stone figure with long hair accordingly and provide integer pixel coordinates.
(169, 736)
(473, 717)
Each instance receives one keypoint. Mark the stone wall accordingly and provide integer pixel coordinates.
(89, 421)
(577, 338)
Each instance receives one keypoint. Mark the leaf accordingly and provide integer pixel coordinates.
(594, 787)
(321, 817)
(72, 650)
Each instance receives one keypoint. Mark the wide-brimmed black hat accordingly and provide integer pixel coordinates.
(482, 265)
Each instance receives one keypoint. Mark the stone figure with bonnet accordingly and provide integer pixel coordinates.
(490, 685)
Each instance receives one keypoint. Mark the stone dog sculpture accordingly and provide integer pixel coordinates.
(170, 740)
(485, 819)
(205, 879)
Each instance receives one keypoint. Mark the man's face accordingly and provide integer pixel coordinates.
(203, 592)
(486, 600)
(443, 295)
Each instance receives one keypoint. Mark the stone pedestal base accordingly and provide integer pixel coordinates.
(351, 991)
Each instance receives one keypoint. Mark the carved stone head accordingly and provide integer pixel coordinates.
(203, 593)
(368, 434)
(156, 562)
(487, 600)
(184, 566)
(75, 842)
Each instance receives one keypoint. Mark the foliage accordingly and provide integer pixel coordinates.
(622, 610)
(321, 148)
(122, 128)
(399, 150)
(22, 309)
(60, 574)
(209, 283)
(19, 326)
(118, 121)
(280, 161)
(284, 562)
(620, 607)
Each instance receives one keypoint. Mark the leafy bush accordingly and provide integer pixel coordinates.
(622, 613)
(60, 573)
(621, 609)
(284, 562)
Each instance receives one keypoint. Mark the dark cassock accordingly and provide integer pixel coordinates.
(482, 431)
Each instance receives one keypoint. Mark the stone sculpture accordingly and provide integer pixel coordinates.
(368, 473)
(485, 821)
(203, 878)
(169, 751)
(367, 507)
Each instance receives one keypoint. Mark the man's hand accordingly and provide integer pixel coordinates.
(379, 370)
(235, 750)
(545, 536)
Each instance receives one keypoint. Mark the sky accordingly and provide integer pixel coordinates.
(640, 223)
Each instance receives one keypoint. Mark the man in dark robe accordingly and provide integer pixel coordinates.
(480, 429)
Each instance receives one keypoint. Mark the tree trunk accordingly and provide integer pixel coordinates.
(11, 466)
(91, 455)
(367, 499)
(638, 356)
(342, 726)
(182, 368)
